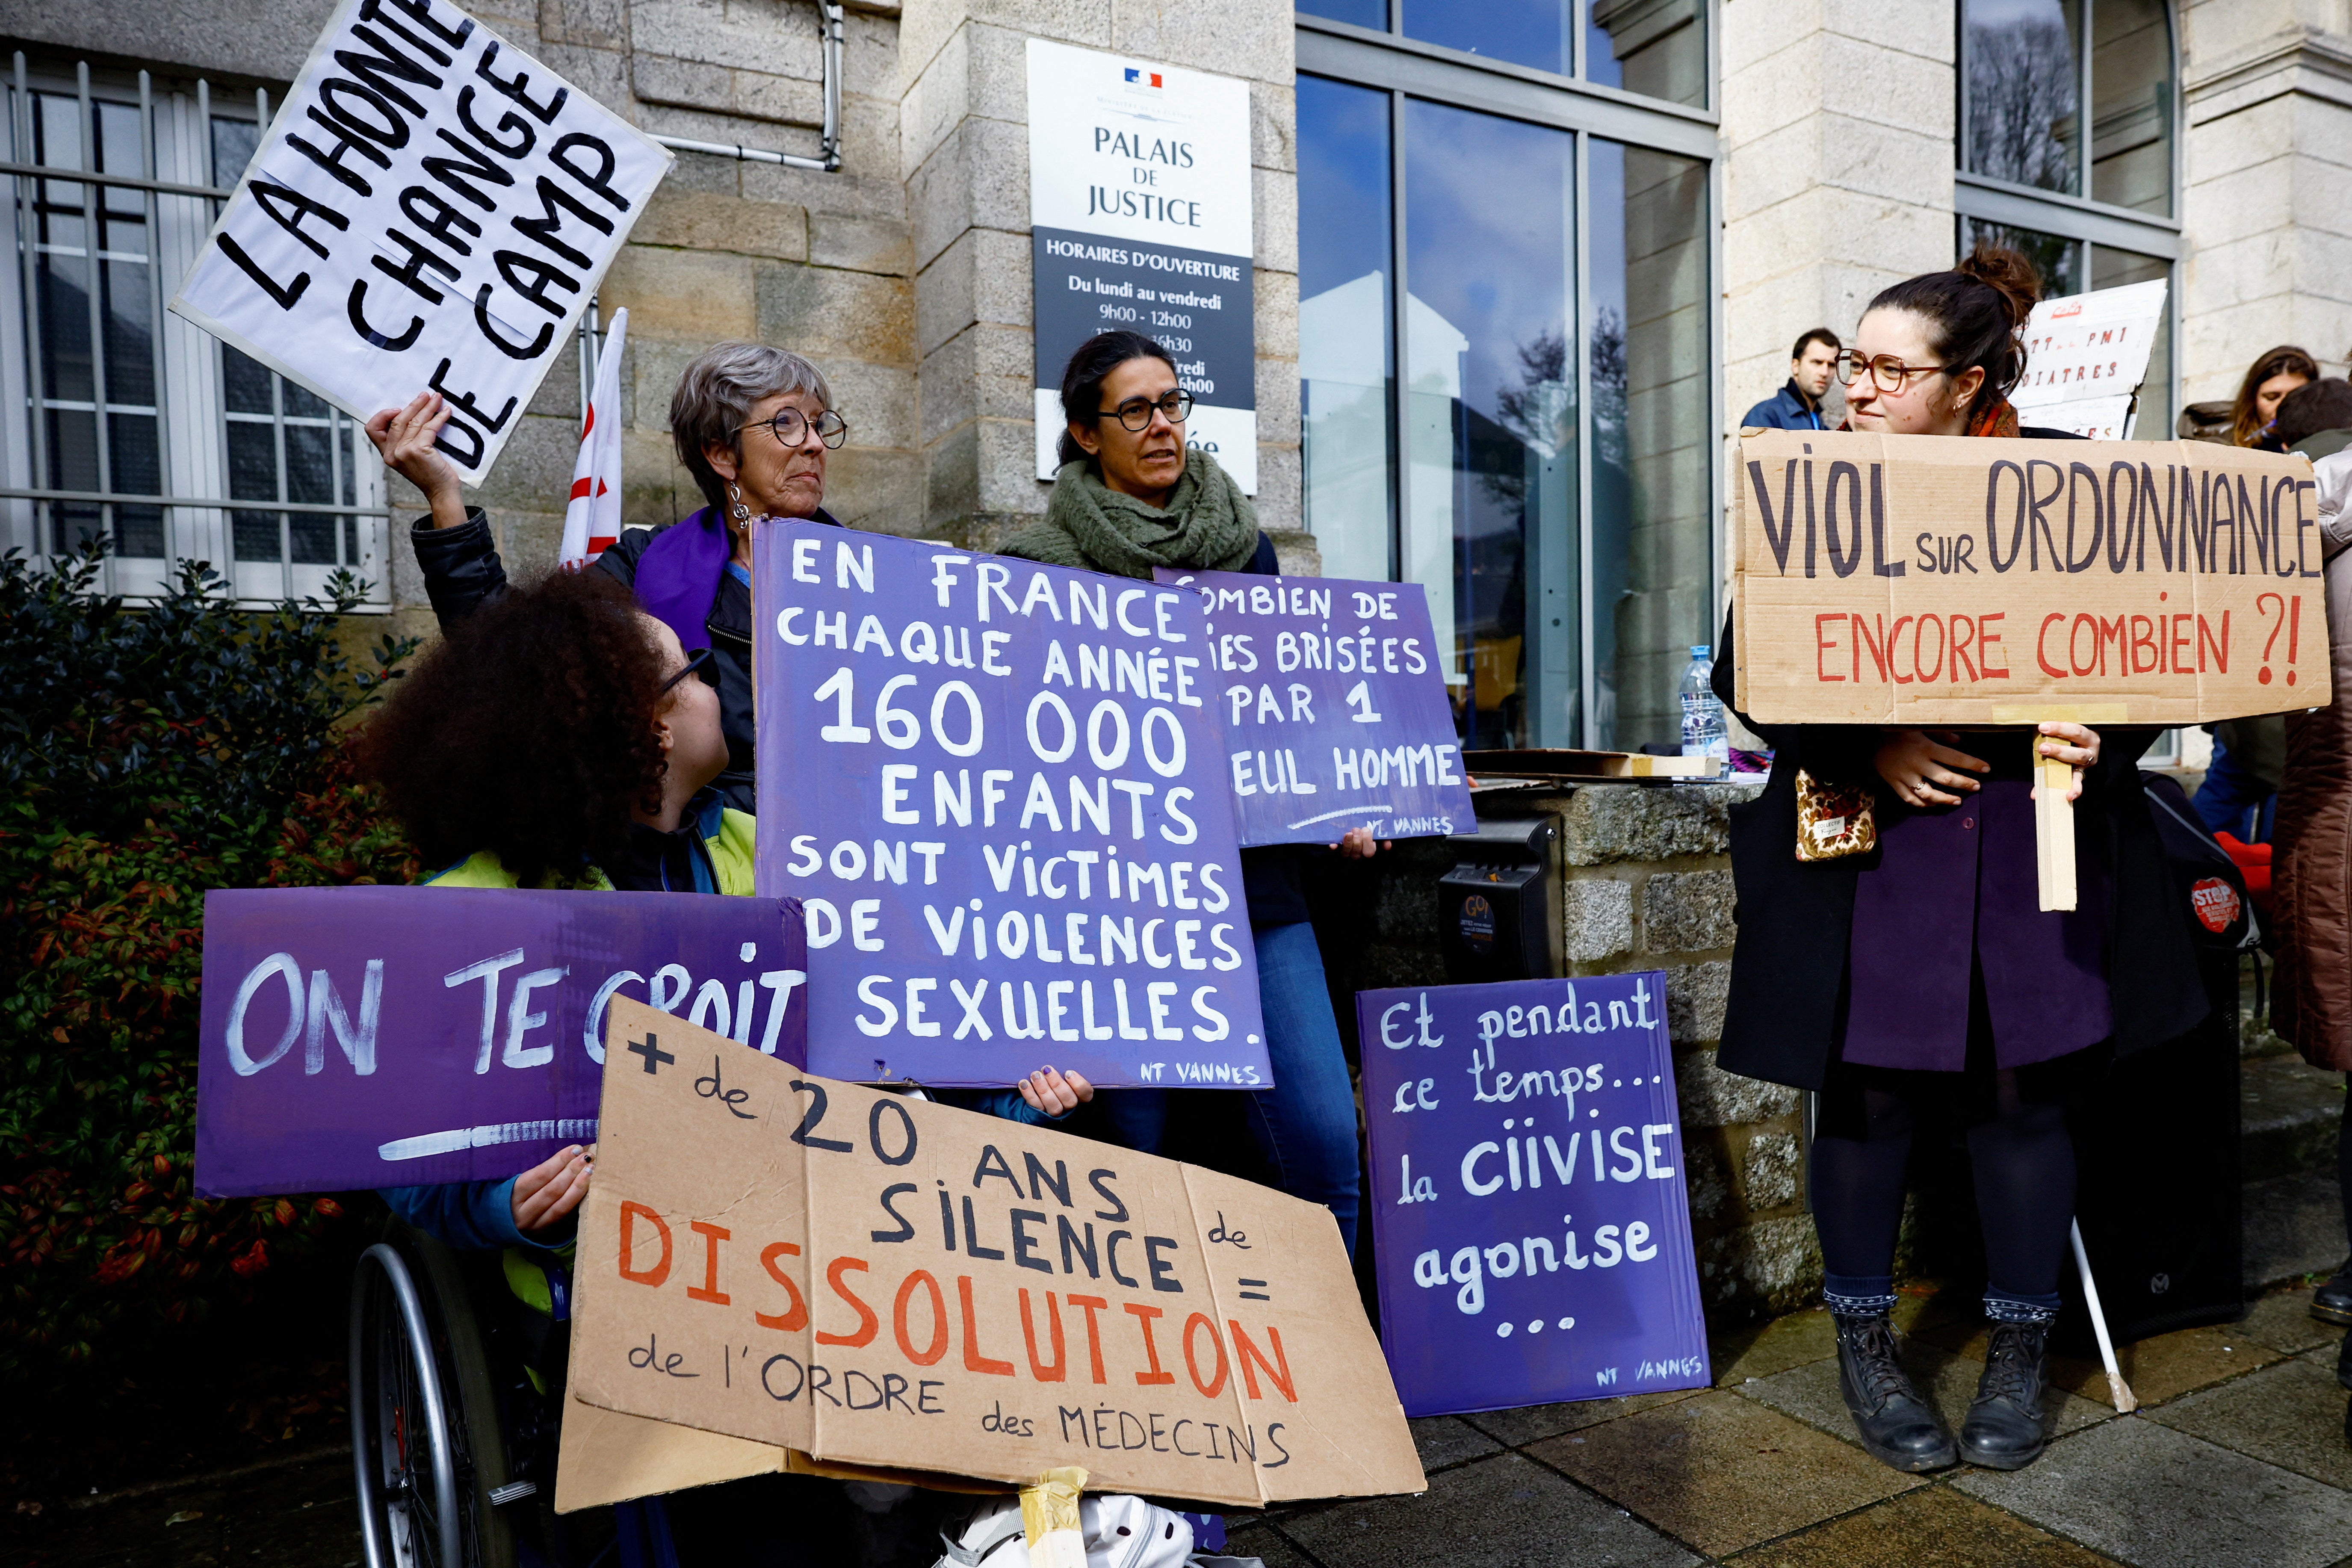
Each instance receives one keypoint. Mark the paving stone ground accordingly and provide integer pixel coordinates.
(2237, 1457)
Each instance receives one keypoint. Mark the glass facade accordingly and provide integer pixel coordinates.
(1526, 432)
(2076, 99)
(1657, 49)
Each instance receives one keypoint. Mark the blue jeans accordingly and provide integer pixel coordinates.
(2229, 794)
(1306, 1124)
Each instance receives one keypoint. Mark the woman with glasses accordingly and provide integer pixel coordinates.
(1918, 987)
(752, 423)
(1131, 496)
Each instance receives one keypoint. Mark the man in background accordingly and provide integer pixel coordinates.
(1797, 405)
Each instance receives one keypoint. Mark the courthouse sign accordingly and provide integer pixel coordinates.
(1938, 580)
(1139, 214)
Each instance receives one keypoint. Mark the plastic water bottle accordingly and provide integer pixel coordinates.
(1703, 731)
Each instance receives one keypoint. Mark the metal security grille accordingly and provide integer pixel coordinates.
(124, 422)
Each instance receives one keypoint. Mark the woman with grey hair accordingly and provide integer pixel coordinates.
(752, 424)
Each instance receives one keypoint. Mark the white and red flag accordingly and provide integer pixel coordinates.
(592, 519)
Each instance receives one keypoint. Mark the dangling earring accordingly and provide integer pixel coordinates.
(740, 513)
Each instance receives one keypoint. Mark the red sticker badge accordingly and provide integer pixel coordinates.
(2218, 904)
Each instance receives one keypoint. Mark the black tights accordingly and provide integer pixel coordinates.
(2023, 1160)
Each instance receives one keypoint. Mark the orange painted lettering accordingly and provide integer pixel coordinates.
(708, 1289)
(972, 1359)
(868, 1323)
(794, 1317)
(939, 1345)
(1060, 1370)
(632, 1210)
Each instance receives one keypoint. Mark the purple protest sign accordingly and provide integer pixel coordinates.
(400, 1036)
(1334, 708)
(1526, 1192)
(998, 787)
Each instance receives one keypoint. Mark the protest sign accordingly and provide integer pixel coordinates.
(1334, 706)
(1527, 1191)
(398, 1037)
(876, 1279)
(2085, 355)
(1001, 791)
(1140, 217)
(431, 207)
(1930, 580)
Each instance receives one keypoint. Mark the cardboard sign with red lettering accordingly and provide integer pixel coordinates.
(1923, 580)
(875, 1280)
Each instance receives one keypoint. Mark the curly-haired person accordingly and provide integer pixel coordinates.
(558, 738)
(561, 737)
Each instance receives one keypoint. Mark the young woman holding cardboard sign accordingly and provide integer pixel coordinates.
(1920, 975)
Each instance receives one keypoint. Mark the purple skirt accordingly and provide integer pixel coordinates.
(1956, 887)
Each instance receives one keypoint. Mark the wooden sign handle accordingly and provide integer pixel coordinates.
(2054, 830)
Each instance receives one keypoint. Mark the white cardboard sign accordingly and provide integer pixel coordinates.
(2085, 355)
(430, 207)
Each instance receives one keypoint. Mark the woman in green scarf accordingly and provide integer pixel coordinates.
(1131, 496)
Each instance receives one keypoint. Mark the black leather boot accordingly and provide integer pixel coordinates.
(1895, 1425)
(2332, 1302)
(2003, 1431)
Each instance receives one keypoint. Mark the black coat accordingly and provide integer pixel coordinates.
(462, 571)
(1795, 918)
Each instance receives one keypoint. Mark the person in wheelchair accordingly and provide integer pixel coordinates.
(561, 737)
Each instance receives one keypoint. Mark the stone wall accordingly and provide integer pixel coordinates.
(810, 262)
(2267, 96)
(964, 128)
(1827, 196)
(1644, 883)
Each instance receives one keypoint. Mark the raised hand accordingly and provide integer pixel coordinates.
(404, 438)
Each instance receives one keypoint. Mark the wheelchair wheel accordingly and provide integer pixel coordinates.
(426, 1450)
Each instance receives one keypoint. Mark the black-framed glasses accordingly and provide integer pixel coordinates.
(791, 427)
(703, 662)
(1887, 372)
(1136, 412)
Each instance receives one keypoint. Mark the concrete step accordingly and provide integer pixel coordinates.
(2294, 1228)
(2289, 1115)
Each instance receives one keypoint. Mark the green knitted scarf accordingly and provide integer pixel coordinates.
(1207, 525)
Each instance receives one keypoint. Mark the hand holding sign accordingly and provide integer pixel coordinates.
(1931, 581)
(874, 1279)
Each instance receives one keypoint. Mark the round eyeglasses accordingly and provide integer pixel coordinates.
(791, 427)
(1136, 412)
(1887, 372)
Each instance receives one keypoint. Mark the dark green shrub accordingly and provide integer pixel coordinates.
(146, 755)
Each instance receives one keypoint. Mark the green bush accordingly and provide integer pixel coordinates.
(147, 755)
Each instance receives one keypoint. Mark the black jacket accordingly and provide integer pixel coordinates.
(1795, 918)
(462, 571)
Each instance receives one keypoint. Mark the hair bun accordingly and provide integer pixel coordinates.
(2008, 274)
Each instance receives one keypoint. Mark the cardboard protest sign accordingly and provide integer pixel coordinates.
(1924, 580)
(1001, 791)
(1334, 706)
(431, 207)
(398, 1037)
(1527, 1190)
(2086, 356)
(876, 1279)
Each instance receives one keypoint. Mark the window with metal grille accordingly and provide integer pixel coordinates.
(122, 422)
